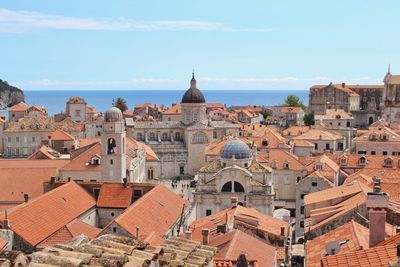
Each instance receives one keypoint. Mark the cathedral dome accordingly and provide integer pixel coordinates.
(113, 115)
(193, 95)
(235, 148)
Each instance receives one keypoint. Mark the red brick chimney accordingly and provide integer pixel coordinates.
(205, 232)
(377, 203)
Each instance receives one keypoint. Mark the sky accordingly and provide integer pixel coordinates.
(128, 44)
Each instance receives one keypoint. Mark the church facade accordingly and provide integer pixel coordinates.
(180, 145)
(237, 176)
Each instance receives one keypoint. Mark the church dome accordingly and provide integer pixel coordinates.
(235, 148)
(193, 95)
(113, 115)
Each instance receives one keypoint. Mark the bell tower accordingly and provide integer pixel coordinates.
(113, 147)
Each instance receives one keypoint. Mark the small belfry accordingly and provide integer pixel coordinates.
(113, 141)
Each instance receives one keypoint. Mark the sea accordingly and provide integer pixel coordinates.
(54, 100)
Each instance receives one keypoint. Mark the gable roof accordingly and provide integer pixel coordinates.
(154, 213)
(59, 135)
(39, 218)
(114, 195)
(20, 107)
(352, 235)
(174, 110)
(234, 243)
(81, 157)
(239, 214)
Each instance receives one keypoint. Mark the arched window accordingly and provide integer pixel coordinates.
(152, 136)
(111, 146)
(150, 173)
(238, 187)
(371, 120)
(227, 187)
(199, 138)
(178, 136)
(164, 137)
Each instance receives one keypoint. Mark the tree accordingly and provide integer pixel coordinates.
(294, 101)
(309, 119)
(120, 103)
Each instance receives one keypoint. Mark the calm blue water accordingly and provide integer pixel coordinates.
(54, 101)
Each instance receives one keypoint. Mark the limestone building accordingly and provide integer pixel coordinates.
(236, 175)
(391, 97)
(180, 144)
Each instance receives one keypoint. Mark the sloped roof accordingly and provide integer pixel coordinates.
(80, 159)
(44, 152)
(20, 107)
(265, 223)
(319, 134)
(114, 196)
(174, 110)
(39, 218)
(154, 213)
(295, 130)
(3, 243)
(59, 135)
(69, 231)
(281, 157)
(353, 235)
(234, 243)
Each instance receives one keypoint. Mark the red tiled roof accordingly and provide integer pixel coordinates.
(232, 244)
(69, 231)
(114, 196)
(39, 218)
(80, 159)
(59, 135)
(239, 214)
(352, 234)
(20, 107)
(154, 213)
(372, 257)
(175, 109)
(3, 243)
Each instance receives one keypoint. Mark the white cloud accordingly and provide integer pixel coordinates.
(20, 21)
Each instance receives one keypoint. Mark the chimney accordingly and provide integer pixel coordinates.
(377, 203)
(52, 180)
(396, 263)
(343, 85)
(125, 181)
(69, 178)
(206, 235)
(242, 260)
(6, 224)
(27, 197)
(234, 201)
(137, 232)
(189, 235)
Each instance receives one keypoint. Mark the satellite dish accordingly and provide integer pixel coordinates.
(332, 248)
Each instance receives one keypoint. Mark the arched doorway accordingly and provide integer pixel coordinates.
(371, 120)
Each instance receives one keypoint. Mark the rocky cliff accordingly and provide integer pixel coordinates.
(10, 95)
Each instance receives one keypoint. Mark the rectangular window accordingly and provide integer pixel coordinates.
(17, 139)
(17, 151)
(316, 146)
(137, 193)
(111, 162)
(373, 152)
(302, 224)
(327, 146)
(302, 196)
(302, 209)
(33, 139)
(9, 139)
(314, 184)
(384, 153)
(208, 212)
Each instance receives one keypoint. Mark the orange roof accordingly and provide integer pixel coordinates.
(88, 141)
(222, 263)
(302, 143)
(291, 110)
(239, 214)
(215, 105)
(343, 87)
(378, 131)
(333, 114)
(114, 196)
(372, 257)
(25, 176)
(80, 159)
(59, 135)
(280, 157)
(319, 134)
(175, 109)
(155, 213)
(20, 107)
(44, 152)
(352, 234)
(273, 138)
(150, 154)
(295, 130)
(90, 110)
(232, 244)
(69, 231)
(39, 218)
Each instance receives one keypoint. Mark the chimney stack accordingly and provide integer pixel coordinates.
(234, 201)
(52, 180)
(125, 181)
(189, 235)
(377, 203)
(69, 179)
(27, 197)
(137, 232)
(206, 235)
(343, 85)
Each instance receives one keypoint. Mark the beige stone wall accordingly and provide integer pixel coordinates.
(22, 144)
(77, 112)
(376, 146)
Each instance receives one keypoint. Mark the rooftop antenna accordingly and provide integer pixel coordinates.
(193, 73)
(389, 68)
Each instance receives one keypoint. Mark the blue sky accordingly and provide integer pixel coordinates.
(230, 44)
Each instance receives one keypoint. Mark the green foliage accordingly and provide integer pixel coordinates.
(120, 103)
(309, 119)
(294, 101)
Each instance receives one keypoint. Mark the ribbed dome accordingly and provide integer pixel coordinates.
(193, 95)
(236, 148)
(113, 115)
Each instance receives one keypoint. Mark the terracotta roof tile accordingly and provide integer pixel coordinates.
(3, 243)
(175, 109)
(114, 196)
(20, 107)
(39, 218)
(352, 234)
(59, 135)
(232, 244)
(154, 213)
(319, 134)
(80, 159)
